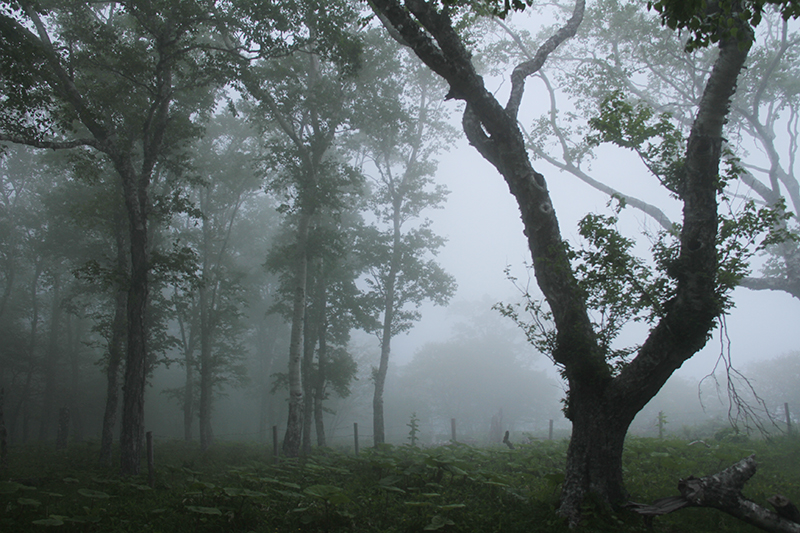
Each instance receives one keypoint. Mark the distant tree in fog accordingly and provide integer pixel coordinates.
(111, 79)
(304, 100)
(402, 129)
(483, 368)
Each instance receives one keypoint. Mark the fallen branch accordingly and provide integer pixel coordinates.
(723, 491)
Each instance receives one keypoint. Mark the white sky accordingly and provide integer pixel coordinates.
(484, 231)
(482, 223)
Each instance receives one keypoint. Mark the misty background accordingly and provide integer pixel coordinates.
(461, 360)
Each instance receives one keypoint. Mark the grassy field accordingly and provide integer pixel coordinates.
(237, 487)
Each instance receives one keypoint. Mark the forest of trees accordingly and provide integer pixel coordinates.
(203, 198)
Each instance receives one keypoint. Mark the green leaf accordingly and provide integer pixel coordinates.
(438, 522)
(452, 506)
(554, 479)
(48, 522)
(329, 493)
(9, 487)
(29, 502)
(204, 510)
(96, 494)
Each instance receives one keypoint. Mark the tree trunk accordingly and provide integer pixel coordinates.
(600, 404)
(378, 424)
(20, 411)
(294, 424)
(188, 397)
(188, 344)
(3, 435)
(594, 456)
(309, 344)
(322, 361)
(267, 347)
(116, 346)
(206, 370)
(74, 333)
(132, 434)
(51, 358)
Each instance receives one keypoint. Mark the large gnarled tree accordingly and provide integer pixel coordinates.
(602, 401)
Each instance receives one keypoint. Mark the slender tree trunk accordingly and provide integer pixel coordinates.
(206, 370)
(319, 388)
(265, 401)
(309, 344)
(294, 424)
(116, 346)
(378, 425)
(188, 396)
(51, 358)
(188, 343)
(21, 410)
(314, 317)
(74, 334)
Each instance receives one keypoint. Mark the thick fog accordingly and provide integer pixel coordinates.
(223, 216)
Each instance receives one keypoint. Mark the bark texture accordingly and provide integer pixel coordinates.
(601, 405)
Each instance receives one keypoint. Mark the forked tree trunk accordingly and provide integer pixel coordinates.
(600, 404)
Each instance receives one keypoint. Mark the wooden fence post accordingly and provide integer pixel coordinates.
(3, 435)
(275, 443)
(151, 460)
(550, 432)
(63, 429)
(453, 429)
(355, 436)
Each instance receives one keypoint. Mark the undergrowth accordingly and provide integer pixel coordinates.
(237, 487)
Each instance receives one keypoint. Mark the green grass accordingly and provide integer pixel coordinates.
(236, 487)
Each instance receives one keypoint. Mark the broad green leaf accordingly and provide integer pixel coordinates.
(329, 493)
(48, 522)
(438, 522)
(204, 510)
(418, 504)
(452, 506)
(9, 487)
(89, 493)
